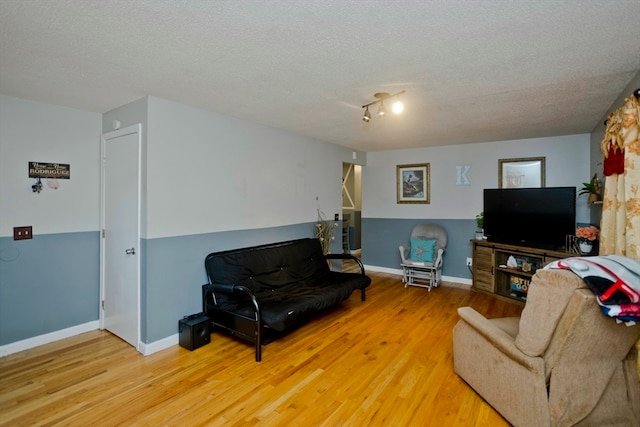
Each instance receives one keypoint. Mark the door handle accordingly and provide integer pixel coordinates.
(131, 251)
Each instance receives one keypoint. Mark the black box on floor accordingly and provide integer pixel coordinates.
(194, 331)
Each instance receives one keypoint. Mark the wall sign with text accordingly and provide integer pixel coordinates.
(49, 170)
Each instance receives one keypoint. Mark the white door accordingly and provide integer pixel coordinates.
(120, 248)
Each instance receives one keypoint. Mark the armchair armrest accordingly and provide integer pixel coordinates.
(499, 339)
(438, 261)
(209, 289)
(404, 253)
(347, 256)
(220, 287)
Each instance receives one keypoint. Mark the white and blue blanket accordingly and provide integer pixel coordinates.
(614, 279)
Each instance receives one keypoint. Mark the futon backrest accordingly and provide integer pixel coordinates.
(269, 266)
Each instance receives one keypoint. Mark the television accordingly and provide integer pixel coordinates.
(534, 217)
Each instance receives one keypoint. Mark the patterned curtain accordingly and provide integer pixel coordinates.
(620, 222)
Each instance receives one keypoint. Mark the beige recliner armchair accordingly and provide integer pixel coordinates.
(562, 363)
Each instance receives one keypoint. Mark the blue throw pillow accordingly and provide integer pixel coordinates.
(422, 250)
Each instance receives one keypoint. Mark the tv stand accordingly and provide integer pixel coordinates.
(493, 275)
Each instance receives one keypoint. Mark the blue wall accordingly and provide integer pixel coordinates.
(174, 272)
(59, 276)
(48, 283)
(381, 238)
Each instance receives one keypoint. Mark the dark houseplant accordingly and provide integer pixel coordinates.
(592, 189)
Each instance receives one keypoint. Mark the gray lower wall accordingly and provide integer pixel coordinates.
(381, 238)
(52, 282)
(174, 272)
(48, 283)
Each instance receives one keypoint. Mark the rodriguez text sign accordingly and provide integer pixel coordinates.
(49, 170)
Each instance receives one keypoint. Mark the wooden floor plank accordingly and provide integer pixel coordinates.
(385, 361)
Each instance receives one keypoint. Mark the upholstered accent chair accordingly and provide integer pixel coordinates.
(561, 363)
(422, 260)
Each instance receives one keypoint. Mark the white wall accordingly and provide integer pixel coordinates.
(213, 183)
(209, 173)
(33, 131)
(49, 285)
(567, 164)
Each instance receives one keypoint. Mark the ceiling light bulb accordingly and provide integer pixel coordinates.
(367, 115)
(397, 107)
(382, 111)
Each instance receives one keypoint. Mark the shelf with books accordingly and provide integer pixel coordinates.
(507, 270)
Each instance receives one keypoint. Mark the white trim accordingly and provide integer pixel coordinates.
(460, 280)
(145, 349)
(383, 269)
(398, 272)
(346, 190)
(154, 347)
(32, 342)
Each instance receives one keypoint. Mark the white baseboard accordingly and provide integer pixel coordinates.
(154, 347)
(460, 280)
(145, 349)
(398, 272)
(164, 343)
(28, 343)
(375, 268)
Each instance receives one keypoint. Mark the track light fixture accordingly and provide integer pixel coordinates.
(397, 106)
(367, 115)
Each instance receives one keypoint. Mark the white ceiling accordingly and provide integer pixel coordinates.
(473, 71)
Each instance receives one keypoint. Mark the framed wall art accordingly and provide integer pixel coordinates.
(521, 173)
(413, 183)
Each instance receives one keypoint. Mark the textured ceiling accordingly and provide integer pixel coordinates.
(473, 70)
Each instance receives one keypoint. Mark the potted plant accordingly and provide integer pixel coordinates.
(480, 226)
(325, 232)
(592, 188)
(586, 237)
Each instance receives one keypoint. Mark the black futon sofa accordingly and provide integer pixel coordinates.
(259, 293)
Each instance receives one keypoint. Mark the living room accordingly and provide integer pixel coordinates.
(213, 181)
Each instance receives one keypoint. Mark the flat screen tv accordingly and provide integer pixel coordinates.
(535, 217)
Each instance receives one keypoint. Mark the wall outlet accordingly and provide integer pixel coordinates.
(22, 233)
(469, 262)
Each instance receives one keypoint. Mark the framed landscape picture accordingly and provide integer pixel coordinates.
(521, 173)
(412, 183)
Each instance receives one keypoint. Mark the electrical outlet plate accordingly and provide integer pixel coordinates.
(469, 262)
(22, 233)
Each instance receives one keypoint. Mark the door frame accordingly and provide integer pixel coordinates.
(355, 201)
(133, 129)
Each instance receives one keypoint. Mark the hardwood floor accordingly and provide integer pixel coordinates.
(383, 362)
